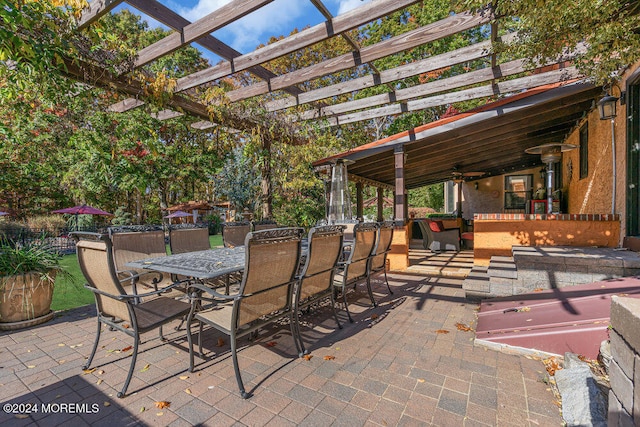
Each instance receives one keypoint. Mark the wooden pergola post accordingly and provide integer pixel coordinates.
(380, 204)
(399, 198)
(359, 202)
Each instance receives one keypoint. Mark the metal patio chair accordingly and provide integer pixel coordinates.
(117, 309)
(265, 224)
(378, 262)
(315, 281)
(356, 267)
(188, 239)
(234, 233)
(265, 295)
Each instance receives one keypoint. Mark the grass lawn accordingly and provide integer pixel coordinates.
(69, 291)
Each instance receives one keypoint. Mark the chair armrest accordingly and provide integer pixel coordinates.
(134, 297)
(193, 288)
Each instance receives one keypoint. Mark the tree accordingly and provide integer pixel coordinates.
(610, 29)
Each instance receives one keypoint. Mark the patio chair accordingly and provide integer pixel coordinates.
(437, 238)
(378, 262)
(234, 233)
(264, 225)
(265, 294)
(133, 243)
(356, 267)
(188, 239)
(117, 309)
(316, 277)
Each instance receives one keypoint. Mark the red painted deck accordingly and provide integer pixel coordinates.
(571, 319)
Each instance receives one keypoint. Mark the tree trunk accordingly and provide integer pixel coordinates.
(265, 184)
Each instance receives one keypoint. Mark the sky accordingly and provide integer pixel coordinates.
(277, 18)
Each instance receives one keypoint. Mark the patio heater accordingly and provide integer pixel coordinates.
(550, 154)
(339, 197)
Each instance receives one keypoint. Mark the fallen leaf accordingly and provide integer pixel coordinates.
(61, 361)
(126, 326)
(307, 357)
(159, 414)
(100, 372)
(107, 403)
(59, 345)
(127, 348)
(551, 364)
(22, 416)
(538, 290)
(100, 381)
(163, 404)
(211, 387)
(184, 377)
(271, 344)
(220, 342)
(88, 371)
(442, 331)
(328, 357)
(187, 390)
(374, 316)
(420, 380)
(146, 368)
(30, 366)
(523, 309)
(142, 409)
(463, 327)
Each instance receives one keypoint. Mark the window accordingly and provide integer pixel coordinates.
(517, 191)
(584, 151)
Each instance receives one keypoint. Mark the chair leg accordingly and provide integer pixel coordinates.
(387, 281)
(295, 332)
(346, 305)
(134, 356)
(333, 307)
(373, 301)
(190, 341)
(236, 368)
(95, 346)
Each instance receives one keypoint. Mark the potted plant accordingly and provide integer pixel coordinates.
(27, 276)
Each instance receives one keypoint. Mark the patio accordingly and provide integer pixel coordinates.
(402, 363)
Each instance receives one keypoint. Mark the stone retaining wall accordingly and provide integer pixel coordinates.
(624, 370)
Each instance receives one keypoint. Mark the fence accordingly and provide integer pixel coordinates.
(58, 240)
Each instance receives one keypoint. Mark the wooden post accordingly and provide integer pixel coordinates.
(380, 204)
(359, 202)
(399, 199)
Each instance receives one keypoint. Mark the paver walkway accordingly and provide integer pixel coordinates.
(402, 363)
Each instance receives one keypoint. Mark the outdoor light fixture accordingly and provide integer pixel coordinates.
(607, 110)
(550, 154)
(607, 107)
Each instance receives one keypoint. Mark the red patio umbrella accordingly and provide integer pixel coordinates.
(178, 214)
(82, 210)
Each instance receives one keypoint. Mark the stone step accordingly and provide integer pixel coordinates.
(502, 266)
(477, 281)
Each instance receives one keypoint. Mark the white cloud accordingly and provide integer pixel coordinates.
(347, 5)
(275, 19)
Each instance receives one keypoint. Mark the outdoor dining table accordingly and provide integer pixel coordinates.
(207, 264)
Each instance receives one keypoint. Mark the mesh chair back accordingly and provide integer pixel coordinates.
(264, 225)
(361, 250)
(383, 246)
(325, 249)
(271, 262)
(133, 246)
(96, 263)
(234, 233)
(188, 240)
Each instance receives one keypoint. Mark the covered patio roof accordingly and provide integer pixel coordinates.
(489, 139)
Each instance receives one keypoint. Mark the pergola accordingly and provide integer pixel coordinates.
(492, 79)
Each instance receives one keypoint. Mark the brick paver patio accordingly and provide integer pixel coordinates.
(402, 363)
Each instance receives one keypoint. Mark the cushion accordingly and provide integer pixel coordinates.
(468, 235)
(436, 226)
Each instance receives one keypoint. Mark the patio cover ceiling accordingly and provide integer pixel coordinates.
(489, 139)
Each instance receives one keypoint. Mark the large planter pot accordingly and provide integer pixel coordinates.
(25, 300)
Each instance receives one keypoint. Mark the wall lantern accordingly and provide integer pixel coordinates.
(607, 107)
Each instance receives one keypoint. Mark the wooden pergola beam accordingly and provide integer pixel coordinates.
(217, 19)
(96, 9)
(307, 37)
(490, 90)
(428, 33)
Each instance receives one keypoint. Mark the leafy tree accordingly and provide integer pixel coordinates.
(237, 180)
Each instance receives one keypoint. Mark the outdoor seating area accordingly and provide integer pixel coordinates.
(394, 365)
